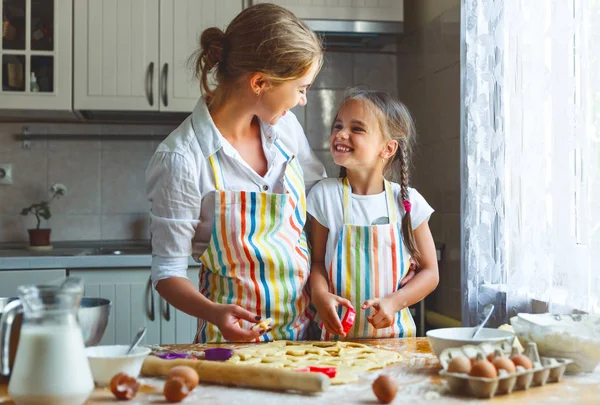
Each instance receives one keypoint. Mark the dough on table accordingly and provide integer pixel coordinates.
(264, 324)
(348, 358)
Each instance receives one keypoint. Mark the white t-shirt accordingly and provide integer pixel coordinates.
(325, 204)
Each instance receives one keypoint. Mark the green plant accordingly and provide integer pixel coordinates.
(42, 209)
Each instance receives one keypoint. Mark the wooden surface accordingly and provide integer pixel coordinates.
(417, 377)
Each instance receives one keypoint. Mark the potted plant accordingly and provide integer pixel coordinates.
(40, 237)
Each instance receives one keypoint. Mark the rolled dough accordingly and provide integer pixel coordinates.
(264, 324)
(349, 358)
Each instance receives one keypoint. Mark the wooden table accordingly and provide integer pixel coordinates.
(417, 376)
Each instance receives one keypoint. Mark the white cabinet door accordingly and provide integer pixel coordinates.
(132, 301)
(178, 327)
(181, 24)
(10, 280)
(116, 55)
(371, 10)
(36, 54)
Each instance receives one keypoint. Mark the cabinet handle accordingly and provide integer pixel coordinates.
(163, 82)
(149, 83)
(167, 312)
(150, 300)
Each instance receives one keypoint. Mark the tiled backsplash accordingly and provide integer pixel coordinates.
(429, 83)
(105, 179)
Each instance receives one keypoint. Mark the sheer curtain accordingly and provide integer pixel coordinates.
(531, 156)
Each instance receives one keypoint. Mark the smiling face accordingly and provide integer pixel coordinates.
(277, 100)
(357, 141)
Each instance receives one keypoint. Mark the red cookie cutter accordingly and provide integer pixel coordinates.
(328, 371)
(347, 320)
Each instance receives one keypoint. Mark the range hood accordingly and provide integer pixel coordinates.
(347, 35)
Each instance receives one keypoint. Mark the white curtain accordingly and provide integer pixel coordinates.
(531, 156)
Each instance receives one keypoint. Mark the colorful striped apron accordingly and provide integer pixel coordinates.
(368, 262)
(258, 256)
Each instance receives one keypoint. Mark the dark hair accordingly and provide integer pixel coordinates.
(397, 124)
(263, 38)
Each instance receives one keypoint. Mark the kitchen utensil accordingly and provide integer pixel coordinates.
(242, 376)
(93, 314)
(487, 312)
(440, 339)
(106, 361)
(138, 337)
(50, 361)
(93, 317)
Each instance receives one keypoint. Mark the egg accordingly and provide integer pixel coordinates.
(483, 368)
(460, 365)
(504, 363)
(521, 360)
(188, 374)
(385, 389)
(123, 386)
(175, 389)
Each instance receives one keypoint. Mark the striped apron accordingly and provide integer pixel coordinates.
(368, 262)
(258, 256)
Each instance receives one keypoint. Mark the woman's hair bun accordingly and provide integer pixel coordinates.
(214, 45)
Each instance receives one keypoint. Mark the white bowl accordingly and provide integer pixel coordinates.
(441, 339)
(106, 361)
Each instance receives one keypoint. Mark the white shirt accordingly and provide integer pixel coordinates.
(180, 183)
(326, 200)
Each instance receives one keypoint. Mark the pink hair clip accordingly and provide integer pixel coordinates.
(407, 205)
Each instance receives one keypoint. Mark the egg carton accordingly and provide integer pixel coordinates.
(545, 370)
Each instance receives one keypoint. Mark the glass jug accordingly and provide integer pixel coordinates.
(51, 366)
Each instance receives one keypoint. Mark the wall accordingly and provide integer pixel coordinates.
(105, 179)
(429, 83)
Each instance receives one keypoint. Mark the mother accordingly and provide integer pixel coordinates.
(228, 185)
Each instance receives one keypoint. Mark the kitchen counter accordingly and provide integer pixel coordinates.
(417, 375)
(76, 255)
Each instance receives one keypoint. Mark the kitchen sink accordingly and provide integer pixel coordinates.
(80, 250)
(121, 250)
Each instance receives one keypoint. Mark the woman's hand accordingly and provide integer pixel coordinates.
(227, 317)
(385, 312)
(326, 304)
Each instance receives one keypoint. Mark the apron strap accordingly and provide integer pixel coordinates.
(389, 197)
(215, 164)
(347, 201)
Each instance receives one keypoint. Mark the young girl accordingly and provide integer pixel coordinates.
(366, 231)
(228, 186)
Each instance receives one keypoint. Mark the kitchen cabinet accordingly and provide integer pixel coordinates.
(10, 280)
(363, 10)
(36, 52)
(134, 54)
(135, 303)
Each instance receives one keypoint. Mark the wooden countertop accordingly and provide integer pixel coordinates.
(417, 376)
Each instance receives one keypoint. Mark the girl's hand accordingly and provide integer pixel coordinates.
(384, 312)
(227, 317)
(326, 305)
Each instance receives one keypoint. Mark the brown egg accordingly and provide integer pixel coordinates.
(188, 374)
(491, 356)
(504, 363)
(385, 389)
(459, 365)
(521, 360)
(175, 389)
(124, 386)
(483, 368)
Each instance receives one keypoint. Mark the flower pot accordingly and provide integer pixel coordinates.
(39, 237)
